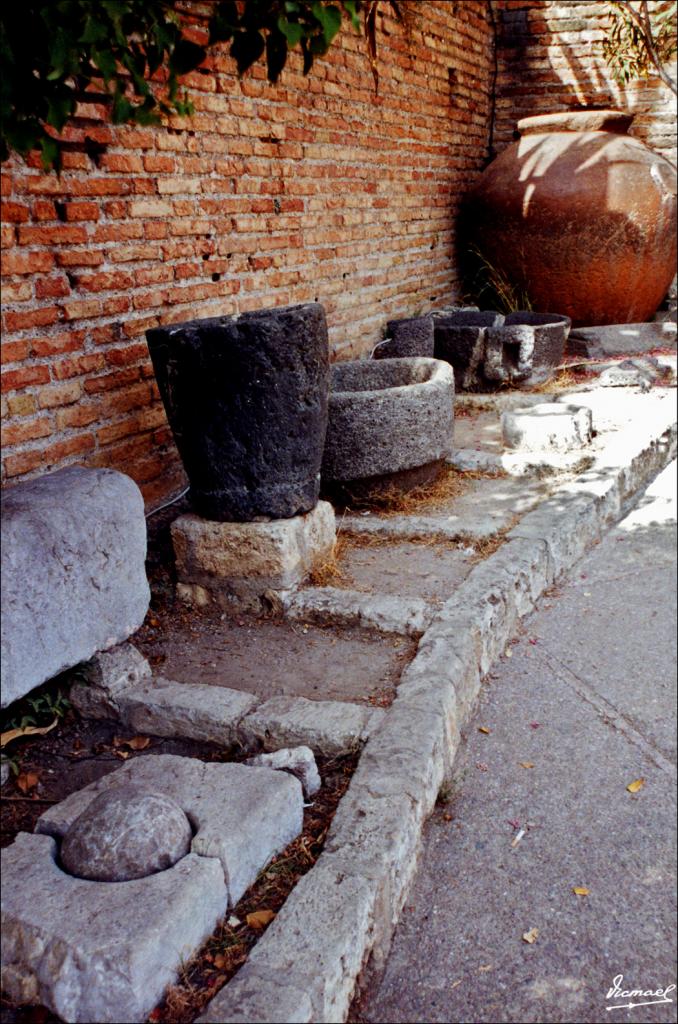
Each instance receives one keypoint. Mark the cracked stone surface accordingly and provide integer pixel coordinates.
(236, 564)
(587, 699)
(549, 425)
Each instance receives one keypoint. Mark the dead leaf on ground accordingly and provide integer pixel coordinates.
(634, 786)
(526, 764)
(259, 919)
(580, 890)
(134, 742)
(531, 936)
(27, 781)
(484, 968)
(29, 730)
(483, 728)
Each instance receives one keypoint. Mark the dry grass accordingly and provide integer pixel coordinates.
(330, 573)
(450, 484)
(563, 380)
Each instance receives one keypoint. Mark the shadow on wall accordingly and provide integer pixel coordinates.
(571, 73)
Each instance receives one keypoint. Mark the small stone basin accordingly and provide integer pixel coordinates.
(488, 350)
(390, 426)
(407, 338)
(542, 352)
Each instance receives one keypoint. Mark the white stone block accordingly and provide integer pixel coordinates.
(100, 951)
(243, 816)
(548, 426)
(236, 564)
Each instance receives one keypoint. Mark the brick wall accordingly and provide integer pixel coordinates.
(268, 195)
(549, 58)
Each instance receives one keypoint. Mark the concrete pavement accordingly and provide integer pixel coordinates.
(588, 700)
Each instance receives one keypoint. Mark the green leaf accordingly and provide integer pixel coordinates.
(51, 154)
(105, 61)
(276, 54)
(186, 56)
(351, 7)
(94, 32)
(292, 30)
(330, 20)
(59, 109)
(122, 109)
(246, 48)
(224, 22)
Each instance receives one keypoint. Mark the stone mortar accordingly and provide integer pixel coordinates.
(386, 418)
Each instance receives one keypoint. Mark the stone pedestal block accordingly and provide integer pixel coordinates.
(73, 572)
(546, 427)
(236, 564)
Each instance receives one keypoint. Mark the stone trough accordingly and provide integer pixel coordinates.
(390, 426)
(157, 852)
(488, 350)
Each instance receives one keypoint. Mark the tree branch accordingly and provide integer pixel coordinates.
(642, 20)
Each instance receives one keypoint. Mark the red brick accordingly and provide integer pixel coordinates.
(32, 318)
(82, 211)
(52, 287)
(43, 209)
(84, 310)
(22, 404)
(80, 258)
(14, 351)
(95, 385)
(7, 236)
(56, 234)
(59, 394)
(27, 262)
(128, 354)
(53, 455)
(24, 462)
(104, 282)
(76, 366)
(15, 213)
(57, 344)
(26, 430)
(77, 416)
(14, 380)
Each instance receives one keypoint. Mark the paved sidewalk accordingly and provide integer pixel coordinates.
(588, 698)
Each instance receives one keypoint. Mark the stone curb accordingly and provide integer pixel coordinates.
(408, 616)
(346, 908)
(217, 714)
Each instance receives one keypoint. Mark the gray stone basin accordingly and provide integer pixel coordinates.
(390, 425)
(488, 350)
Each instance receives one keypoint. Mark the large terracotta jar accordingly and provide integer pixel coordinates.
(579, 216)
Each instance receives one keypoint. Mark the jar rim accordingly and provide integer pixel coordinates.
(584, 120)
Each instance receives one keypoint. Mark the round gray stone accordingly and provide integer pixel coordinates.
(127, 832)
